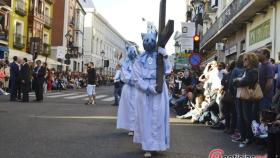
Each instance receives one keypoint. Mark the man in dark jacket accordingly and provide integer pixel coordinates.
(39, 73)
(24, 75)
(13, 84)
(91, 83)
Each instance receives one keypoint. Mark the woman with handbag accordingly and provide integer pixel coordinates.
(248, 80)
(236, 72)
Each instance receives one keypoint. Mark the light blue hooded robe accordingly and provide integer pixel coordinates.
(127, 112)
(152, 122)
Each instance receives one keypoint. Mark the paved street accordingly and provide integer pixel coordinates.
(63, 127)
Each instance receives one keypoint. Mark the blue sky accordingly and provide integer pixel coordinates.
(126, 16)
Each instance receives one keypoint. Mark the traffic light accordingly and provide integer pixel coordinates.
(196, 41)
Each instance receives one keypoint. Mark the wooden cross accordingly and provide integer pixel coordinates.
(164, 34)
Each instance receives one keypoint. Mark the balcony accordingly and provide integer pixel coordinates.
(4, 35)
(208, 9)
(20, 8)
(71, 22)
(36, 14)
(48, 22)
(49, 1)
(6, 3)
(46, 50)
(231, 20)
(19, 41)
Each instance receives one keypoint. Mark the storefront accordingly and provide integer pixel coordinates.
(261, 33)
(231, 54)
(4, 50)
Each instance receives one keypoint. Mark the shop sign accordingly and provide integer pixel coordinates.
(188, 29)
(233, 50)
(259, 33)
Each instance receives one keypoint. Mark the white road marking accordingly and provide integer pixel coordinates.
(98, 97)
(32, 94)
(62, 95)
(76, 97)
(108, 99)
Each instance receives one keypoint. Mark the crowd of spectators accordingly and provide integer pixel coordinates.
(53, 79)
(212, 97)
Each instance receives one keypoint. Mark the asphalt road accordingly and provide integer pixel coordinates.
(63, 127)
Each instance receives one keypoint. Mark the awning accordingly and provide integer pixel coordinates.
(51, 62)
(4, 49)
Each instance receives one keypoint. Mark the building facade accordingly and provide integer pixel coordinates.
(102, 42)
(68, 34)
(241, 26)
(22, 20)
(19, 29)
(5, 15)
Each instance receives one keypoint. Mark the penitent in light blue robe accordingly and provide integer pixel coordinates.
(126, 111)
(152, 123)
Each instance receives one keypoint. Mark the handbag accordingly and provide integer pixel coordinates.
(251, 94)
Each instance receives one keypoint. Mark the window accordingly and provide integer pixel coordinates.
(18, 35)
(74, 66)
(19, 28)
(40, 6)
(242, 46)
(96, 46)
(46, 38)
(47, 11)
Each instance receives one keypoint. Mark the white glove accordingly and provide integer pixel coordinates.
(162, 51)
(152, 90)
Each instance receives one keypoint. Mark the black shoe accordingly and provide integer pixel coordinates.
(37, 100)
(114, 104)
(218, 126)
(23, 101)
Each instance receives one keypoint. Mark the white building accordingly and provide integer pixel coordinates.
(68, 23)
(102, 42)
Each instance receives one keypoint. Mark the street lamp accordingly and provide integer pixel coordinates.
(68, 36)
(177, 47)
(102, 53)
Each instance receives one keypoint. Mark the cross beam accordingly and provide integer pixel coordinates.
(165, 32)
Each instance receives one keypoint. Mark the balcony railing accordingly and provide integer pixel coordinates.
(46, 49)
(72, 21)
(36, 13)
(48, 21)
(20, 7)
(4, 35)
(208, 8)
(232, 10)
(6, 3)
(49, 1)
(19, 41)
